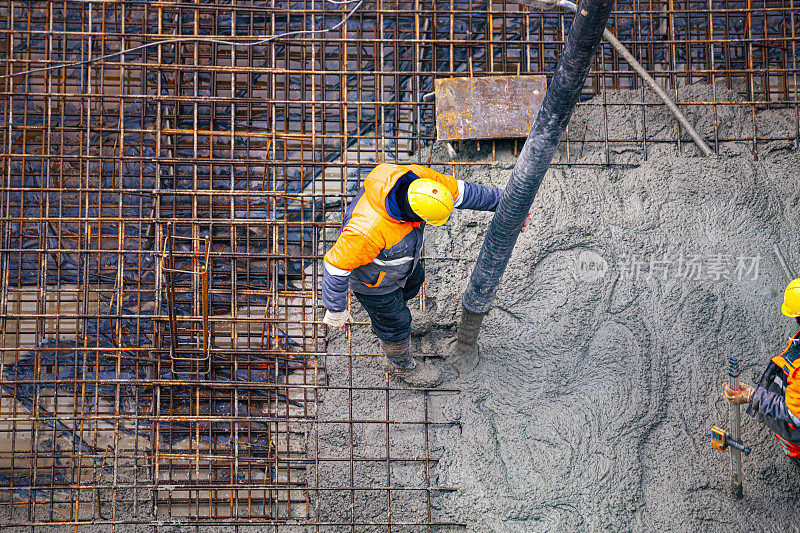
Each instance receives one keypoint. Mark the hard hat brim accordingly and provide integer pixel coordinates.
(787, 312)
(437, 222)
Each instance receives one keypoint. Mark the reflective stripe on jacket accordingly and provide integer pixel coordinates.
(776, 400)
(375, 252)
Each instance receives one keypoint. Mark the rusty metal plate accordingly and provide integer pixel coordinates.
(492, 107)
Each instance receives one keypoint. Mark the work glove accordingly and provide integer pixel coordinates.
(740, 397)
(337, 319)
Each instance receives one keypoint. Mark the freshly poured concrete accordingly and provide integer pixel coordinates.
(603, 357)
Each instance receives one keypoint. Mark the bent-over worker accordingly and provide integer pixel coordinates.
(775, 401)
(378, 253)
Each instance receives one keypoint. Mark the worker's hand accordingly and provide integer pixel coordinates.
(525, 224)
(337, 319)
(740, 397)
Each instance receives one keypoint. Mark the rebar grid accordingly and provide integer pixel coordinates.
(133, 392)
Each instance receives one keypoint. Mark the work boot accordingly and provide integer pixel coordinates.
(398, 362)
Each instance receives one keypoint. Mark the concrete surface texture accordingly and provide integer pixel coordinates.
(603, 357)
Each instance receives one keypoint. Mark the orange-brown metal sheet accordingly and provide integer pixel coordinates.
(491, 107)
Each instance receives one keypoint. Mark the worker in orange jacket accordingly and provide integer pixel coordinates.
(378, 251)
(775, 401)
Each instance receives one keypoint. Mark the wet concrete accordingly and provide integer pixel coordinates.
(602, 359)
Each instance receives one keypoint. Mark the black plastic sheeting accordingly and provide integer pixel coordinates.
(141, 174)
(89, 377)
(23, 487)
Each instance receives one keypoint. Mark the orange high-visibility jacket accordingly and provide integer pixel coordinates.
(789, 362)
(776, 400)
(377, 252)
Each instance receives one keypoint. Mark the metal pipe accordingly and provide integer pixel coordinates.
(790, 275)
(636, 66)
(736, 417)
(173, 321)
(534, 160)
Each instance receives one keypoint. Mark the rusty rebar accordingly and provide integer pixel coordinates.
(254, 153)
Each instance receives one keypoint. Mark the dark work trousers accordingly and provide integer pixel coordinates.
(389, 314)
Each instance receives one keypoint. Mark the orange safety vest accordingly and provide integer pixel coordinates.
(380, 251)
(789, 362)
(783, 376)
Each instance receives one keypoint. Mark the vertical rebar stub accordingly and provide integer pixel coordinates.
(185, 266)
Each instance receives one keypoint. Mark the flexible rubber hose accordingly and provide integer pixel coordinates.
(548, 127)
(468, 329)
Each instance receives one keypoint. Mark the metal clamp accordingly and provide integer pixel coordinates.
(720, 440)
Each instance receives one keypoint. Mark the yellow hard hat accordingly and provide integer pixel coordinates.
(791, 299)
(430, 200)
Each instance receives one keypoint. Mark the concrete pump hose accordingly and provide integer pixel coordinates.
(549, 125)
(627, 56)
(468, 329)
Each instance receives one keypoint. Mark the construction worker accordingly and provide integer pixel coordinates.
(378, 251)
(775, 401)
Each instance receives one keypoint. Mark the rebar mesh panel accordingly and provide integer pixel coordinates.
(254, 152)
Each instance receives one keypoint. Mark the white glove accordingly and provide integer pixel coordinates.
(337, 319)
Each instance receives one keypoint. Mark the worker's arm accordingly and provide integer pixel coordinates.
(477, 197)
(771, 405)
(351, 250)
